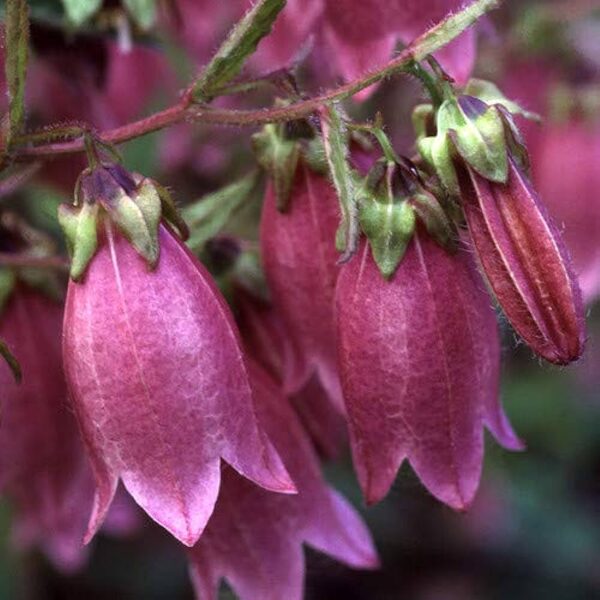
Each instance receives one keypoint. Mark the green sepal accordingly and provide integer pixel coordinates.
(389, 227)
(170, 212)
(138, 217)
(438, 153)
(481, 142)
(515, 141)
(143, 12)
(8, 280)
(279, 156)
(79, 224)
(423, 118)
(313, 154)
(466, 128)
(79, 11)
(437, 223)
(12, 362)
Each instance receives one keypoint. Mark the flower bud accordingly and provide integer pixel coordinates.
(525, 263)
(419, 360)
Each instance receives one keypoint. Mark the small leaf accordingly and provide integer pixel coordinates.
(79, 11)
(143, 12)
(239, 45)
(12, 362)
(335, 140)
(208, 216)
(17, 39)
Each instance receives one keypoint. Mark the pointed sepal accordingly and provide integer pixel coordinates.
(279, 156)
(138, 216)
(389, 227)
(79, 224)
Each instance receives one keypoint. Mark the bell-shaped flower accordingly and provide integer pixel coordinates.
(300, 261)
(419, 357)
(154, 363)
(267, 341)
(44, 472)
(362, 35)
(254, 538)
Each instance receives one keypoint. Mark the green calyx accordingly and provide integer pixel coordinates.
(79, 225)
(389, 227)
(394, 199)
(278, 155)
(476, 128)
(133, 203)
(385, 214)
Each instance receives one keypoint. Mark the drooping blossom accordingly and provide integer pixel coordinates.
(419, 360)
(525, 263)
(266, 340)
(300, 261)
(363, 35)
(254, 538)
(158, 383)
(44, 472)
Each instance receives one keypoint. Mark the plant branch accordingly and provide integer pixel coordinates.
(186, 110)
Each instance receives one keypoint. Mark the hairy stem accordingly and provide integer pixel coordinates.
(185, 110)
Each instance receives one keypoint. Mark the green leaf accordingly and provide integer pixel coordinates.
(17, 51)
(208, 216)
(12, 362)
(79, 11)
(335, 140)
(239, 45)
(143, 12)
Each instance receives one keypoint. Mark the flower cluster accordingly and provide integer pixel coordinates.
(211, 390)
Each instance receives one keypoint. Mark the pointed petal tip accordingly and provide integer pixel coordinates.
(458, 502)
(374, 492)
(103, 498)
(458, 496)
